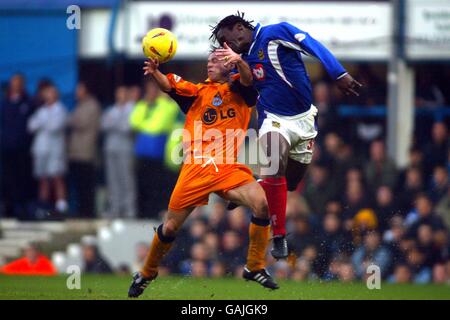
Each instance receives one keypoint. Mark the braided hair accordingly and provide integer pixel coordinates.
(229, 22)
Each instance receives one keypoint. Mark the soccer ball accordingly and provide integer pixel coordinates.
(159, 43)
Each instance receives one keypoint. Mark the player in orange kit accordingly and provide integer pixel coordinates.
(217, 115)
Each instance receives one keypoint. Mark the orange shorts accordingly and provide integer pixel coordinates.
(195, 183)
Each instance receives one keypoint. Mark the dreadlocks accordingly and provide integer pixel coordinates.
(229, 22)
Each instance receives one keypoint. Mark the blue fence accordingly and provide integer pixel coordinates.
(347, 111)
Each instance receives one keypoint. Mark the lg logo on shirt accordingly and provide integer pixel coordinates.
(211, 115)
(258, 72)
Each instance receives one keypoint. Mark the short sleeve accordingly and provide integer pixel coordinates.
(183, 92)
(181, 86)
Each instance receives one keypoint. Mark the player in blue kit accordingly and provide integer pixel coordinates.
(286, 114)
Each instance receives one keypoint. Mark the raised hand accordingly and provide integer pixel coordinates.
(150, 66)
(227, 54)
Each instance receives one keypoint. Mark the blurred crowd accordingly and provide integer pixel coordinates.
(351, 212)
(355, 207)
(53, 160)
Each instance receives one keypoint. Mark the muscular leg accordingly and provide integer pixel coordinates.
(252, 195)
(276, 149)
(163, 240)
(274, 183)
(294, 173)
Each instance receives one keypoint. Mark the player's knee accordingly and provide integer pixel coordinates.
(170, 228)
(261, 208)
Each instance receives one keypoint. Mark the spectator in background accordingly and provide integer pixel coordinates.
(321, 92)
(82, 150)
(319, 189)
(426, 245)
(134, 94)
(402, 274)
(440, 275)
(141, 252)
(199, 256)
(93, 261)
(380, 170)
(233, 252)
(364, 221)
(393, 238)
(437, 149)
(423, 214)
(118, 154)
(296, 205)
(199, 269)
(439, 183)
(38, 99)
(413, 185)
(152, 119)
(16, 184)
(32, 263)
(218, 269)
(346, 272)
(416, 263)
(302, 270)
(237, 221)
(416, 158)
(217, 218)
(197, 229)
(355, 199)
(332, 241)
(48, 149)
(443, 209)
(212, 242)
(385, 208)
(344, 160)
(371, 252)
(301, 236)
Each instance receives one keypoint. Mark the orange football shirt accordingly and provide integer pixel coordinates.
(217, 117)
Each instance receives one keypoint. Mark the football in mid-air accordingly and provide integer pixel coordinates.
(159, 43)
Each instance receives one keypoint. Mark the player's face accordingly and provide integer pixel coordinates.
(235, 37)
(216, 70)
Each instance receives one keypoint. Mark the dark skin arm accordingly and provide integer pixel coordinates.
(231, 57)
(348, 85)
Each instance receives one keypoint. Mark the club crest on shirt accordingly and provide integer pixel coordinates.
(261, 54)
(217, 100)
(276, 124)
(258, 72)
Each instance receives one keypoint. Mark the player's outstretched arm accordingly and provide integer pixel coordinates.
(311, 46)
(151, 68)
(344, 80)
(232, 58)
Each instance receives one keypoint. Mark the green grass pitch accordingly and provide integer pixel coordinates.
(170, 288)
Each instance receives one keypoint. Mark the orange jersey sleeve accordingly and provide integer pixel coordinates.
(181, 86)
